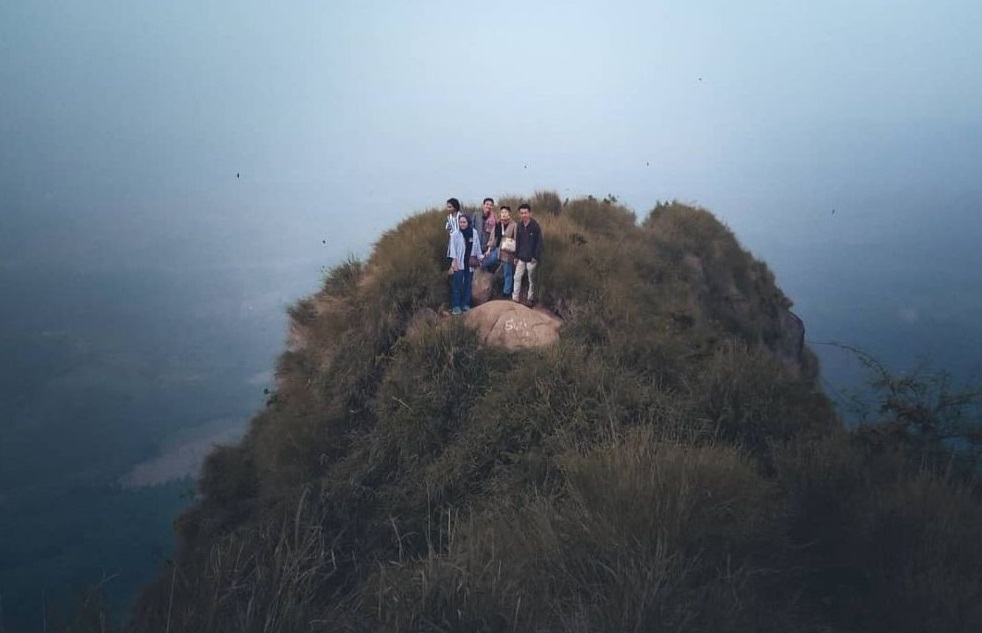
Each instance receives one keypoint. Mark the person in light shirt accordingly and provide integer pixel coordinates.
(464, 244)
(506, 249)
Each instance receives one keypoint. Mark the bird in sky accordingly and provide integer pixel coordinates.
(236, 174)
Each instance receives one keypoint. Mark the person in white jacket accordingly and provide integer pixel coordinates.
(453, 212)
(464, 244)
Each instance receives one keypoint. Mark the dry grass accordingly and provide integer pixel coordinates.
(657, 469)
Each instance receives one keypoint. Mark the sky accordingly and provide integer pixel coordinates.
(341, 110)
(124, 124)
(174, 174)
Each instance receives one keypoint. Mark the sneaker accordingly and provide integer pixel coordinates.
(466, 308)
(455, 311)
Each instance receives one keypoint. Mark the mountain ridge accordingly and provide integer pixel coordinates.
(669, 462)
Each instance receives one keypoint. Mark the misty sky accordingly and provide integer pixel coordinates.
(124, 124)
(143, 285)
(351, 114)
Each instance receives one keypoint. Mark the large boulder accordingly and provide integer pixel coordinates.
(481, 286)
(513, 326)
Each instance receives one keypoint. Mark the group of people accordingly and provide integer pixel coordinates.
(487, 238)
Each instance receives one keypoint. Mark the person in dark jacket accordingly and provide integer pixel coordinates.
(528, 252)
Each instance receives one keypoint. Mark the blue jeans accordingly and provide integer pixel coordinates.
(490, 259)
(468, 279)
(508, 268)
(460, 294)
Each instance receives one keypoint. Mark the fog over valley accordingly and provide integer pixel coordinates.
(174, 176)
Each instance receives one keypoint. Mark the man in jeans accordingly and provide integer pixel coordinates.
(483, 222)
(528, 252)
(506, 229)
(492, 231)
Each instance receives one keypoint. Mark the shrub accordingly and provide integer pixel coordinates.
(663, 466)
(546, 202)
(607, 219)
(228, 475)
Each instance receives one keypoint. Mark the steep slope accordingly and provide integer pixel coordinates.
(670, 462)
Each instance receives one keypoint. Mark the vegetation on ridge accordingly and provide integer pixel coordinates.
(664, 466)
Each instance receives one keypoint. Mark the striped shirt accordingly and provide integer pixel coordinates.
(453, 222)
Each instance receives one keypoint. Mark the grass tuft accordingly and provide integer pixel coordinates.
(669, 464)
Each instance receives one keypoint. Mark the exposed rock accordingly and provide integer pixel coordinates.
(481, 287)
(513, 326)
(791, 346)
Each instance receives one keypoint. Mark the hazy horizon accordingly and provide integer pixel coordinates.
(174, 175)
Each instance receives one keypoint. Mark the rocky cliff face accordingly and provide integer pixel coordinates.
(758, 310)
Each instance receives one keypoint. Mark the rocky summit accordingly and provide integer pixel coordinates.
(649, 449)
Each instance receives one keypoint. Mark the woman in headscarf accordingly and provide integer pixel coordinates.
(463, 250)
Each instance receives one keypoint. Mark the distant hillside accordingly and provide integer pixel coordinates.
(669, 464)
